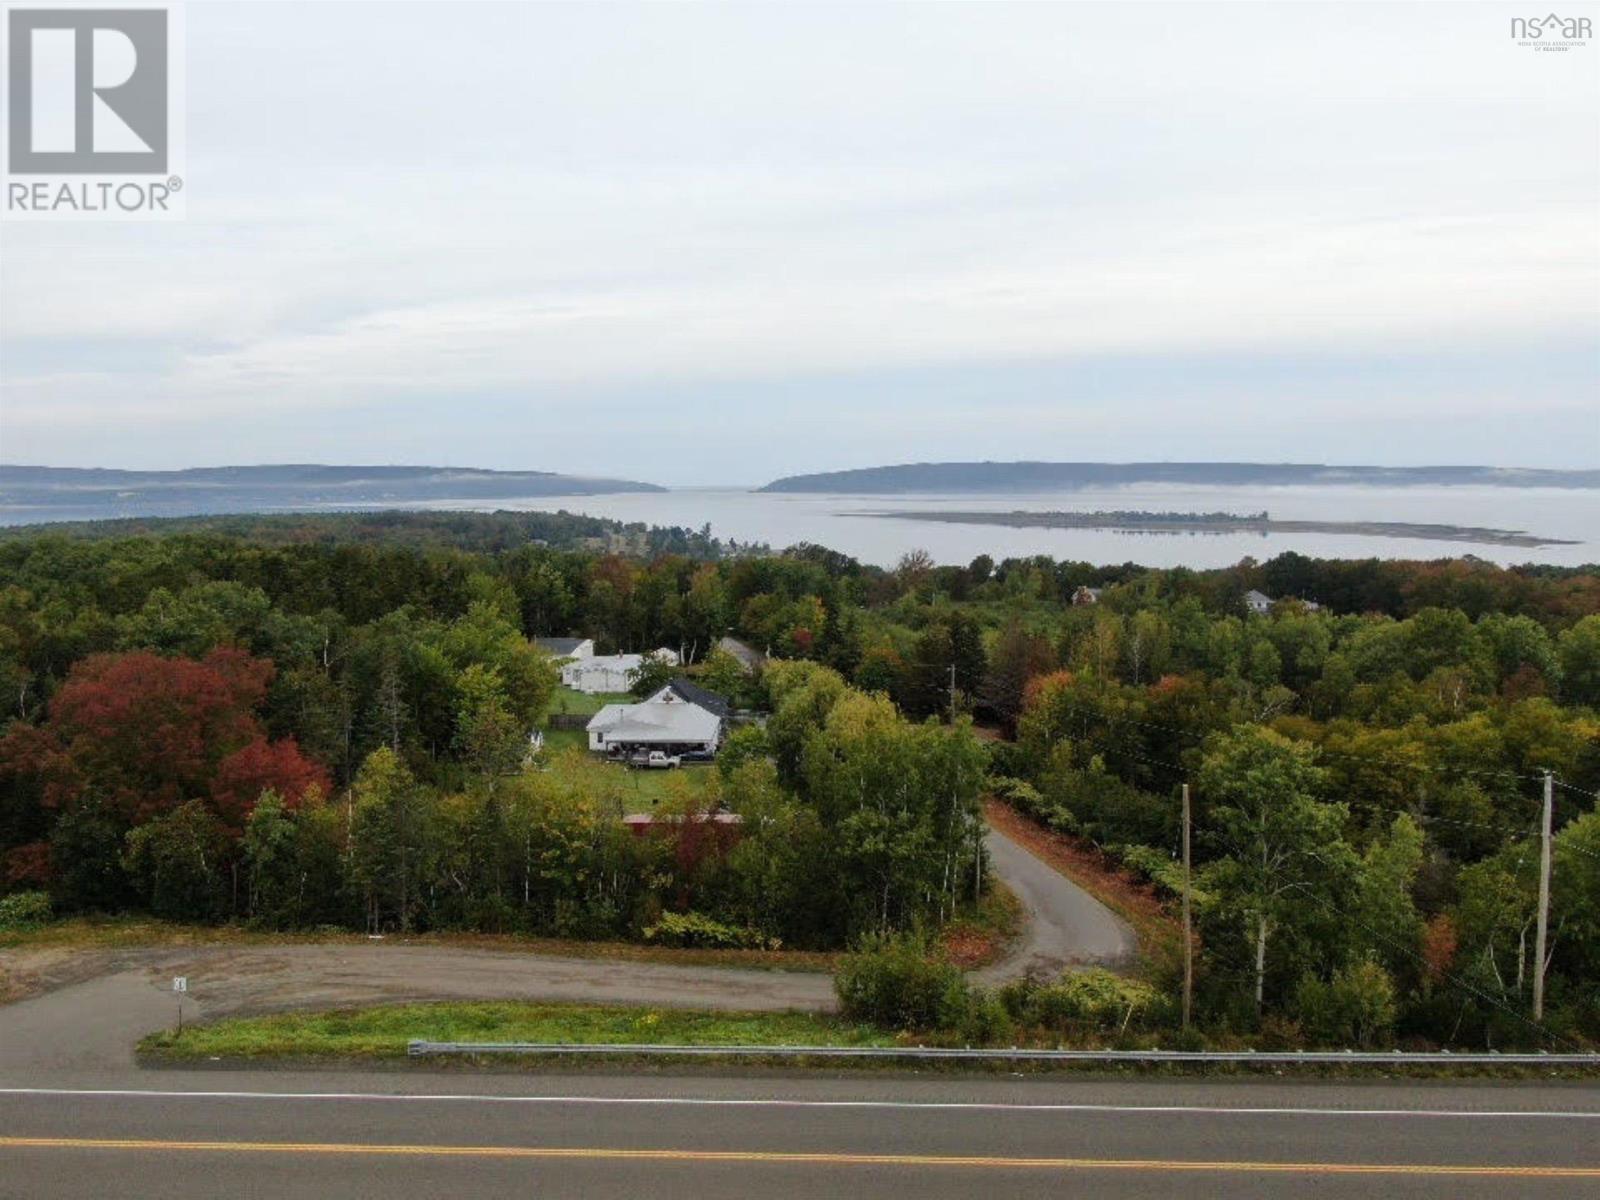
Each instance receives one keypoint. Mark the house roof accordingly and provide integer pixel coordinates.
(656, 721)
(1255, 597)
(559, 646)
(688, 690)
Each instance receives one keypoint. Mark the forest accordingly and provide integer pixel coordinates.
(305, 726)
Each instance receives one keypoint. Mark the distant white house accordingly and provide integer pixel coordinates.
(1086, 595)
(666, 721)
(566, 647)
(609, 672)
(1259, 603)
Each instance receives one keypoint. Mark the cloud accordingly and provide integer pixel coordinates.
(511, 208)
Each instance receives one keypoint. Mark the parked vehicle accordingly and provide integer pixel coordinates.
(655, 760)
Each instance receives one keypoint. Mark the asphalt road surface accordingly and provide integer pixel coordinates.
(1065, 926)
(270, 1134)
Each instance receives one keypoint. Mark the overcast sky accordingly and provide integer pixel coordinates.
(716, 245)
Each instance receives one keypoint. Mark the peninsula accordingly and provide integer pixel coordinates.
(29, 493)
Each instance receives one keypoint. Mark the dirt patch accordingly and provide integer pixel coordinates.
(984, 938)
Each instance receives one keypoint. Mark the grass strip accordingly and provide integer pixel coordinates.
(383, 1032)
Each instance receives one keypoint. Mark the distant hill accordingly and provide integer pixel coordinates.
(30, 494)
(479, 532)
(1048, 476)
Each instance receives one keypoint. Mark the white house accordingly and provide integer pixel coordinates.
(609, 672)
(666, 721)
(1259, 603)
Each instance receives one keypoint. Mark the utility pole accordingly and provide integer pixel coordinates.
(1188, 940)
(952, 693)
(1544, 899)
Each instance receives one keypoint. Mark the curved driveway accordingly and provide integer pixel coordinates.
(1064, 926)
(96, 1003)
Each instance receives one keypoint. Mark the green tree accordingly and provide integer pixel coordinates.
(1579, 649)
(489, 737)
(1385, 911)
(268, 848)
(176, 863)
(391, 840)
(651, 675)
(725, 675)
(1282, 848)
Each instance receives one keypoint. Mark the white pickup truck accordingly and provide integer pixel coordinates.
(655, 760)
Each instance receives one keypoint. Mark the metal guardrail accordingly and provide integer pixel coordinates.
(418, 1048)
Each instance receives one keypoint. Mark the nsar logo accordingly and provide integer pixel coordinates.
(1551, 32)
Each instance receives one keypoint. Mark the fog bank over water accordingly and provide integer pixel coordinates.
(833, 520)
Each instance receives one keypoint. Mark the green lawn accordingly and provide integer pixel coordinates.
(568, 701)
(642, 789)
(384, 1031)
(557, 740)
(646, 789)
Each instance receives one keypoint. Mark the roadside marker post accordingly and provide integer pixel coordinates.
(180, 985)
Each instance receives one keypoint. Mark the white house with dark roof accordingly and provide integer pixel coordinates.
(667, 721)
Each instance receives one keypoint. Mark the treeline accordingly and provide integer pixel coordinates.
(1381, 754)
(480, 533)
(152, 785)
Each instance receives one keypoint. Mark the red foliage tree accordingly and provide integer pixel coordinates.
(246, 773)
(26, 866)
(143, 734)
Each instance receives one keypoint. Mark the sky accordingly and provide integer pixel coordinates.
(716, 245)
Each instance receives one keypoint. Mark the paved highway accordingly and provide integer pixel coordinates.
(268, 1134)
(78, 1118)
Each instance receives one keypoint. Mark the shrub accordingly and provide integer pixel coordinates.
(986, 1020)
(1025, 798)
(1155, 865)
(896, 983)
(696, 929)
(1085, 1001)
(24, 910)
(1355, 1008)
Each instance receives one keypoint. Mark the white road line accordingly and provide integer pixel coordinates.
(756, 1102)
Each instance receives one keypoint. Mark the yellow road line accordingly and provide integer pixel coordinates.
(782, 1157)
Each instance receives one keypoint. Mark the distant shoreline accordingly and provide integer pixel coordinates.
(1219, 523)
(1000, 478)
